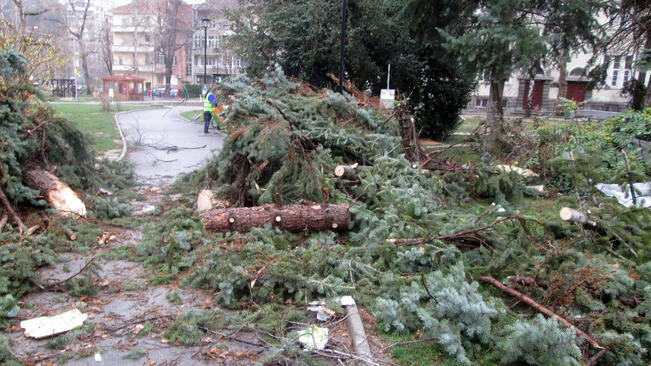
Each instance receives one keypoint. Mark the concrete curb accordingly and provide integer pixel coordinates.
(124, 139)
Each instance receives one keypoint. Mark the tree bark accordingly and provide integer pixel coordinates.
(495, 117)
(292, 218)
(58, 194)
(562, 80)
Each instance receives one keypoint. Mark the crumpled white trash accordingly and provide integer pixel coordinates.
(47, 326)
(314, 337)
(642, 193)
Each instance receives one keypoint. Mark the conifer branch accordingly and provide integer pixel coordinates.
(529, 301)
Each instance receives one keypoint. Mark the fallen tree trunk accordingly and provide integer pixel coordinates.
(529, 301)
(58, 194)
(294, 218)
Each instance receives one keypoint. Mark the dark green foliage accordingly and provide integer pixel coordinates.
(378, 34)
(5, 349)
(187, 329)
(193, 90)
(174, 297)
(109, 207)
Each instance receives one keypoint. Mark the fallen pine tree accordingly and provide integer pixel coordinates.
(286, 138)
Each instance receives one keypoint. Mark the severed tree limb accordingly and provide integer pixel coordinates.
(524, 280)
(10, 211)
(459, 235)
(529, 301)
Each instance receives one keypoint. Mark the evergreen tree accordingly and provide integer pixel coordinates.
(303, 37)
(502, 39)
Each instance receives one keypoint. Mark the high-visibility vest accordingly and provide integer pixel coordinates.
(207, 106)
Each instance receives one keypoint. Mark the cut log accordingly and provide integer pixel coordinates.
(572, 215)
(347, 171)
(292, 218)
(58, 194)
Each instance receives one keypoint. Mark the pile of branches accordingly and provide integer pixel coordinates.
(418, 238)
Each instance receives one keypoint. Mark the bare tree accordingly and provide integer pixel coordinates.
(106, 44)
(23, 13)
(78, 34)
(174, 30)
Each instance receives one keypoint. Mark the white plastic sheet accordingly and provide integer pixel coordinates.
(642, 193)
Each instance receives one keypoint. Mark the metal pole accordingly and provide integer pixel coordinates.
(205, 51)
(343, 41)
(388, 76)
(74, 65)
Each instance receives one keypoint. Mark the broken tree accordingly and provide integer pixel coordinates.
(57, 193)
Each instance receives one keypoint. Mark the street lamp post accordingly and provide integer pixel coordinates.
(205, 23)
(343, 43)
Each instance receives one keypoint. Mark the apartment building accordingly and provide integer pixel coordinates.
(220, 61)
(137, 31)
(543, 90)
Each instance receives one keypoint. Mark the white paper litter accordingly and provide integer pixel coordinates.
(98, 357)
(346, 301)
(322, 312)
(642, 193)
(47, 326)
(510, 168)
(314, 337)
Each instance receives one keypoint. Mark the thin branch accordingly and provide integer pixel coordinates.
(50, 285)
(529, 301)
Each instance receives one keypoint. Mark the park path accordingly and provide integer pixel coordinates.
(163, 145)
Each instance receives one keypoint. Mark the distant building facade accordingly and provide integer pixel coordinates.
(136, 29)
(221, 62)
(543, 90)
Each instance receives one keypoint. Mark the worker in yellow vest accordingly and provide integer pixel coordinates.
(209, 103)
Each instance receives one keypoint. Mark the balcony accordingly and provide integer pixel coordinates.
(131, 49)
(129, 68)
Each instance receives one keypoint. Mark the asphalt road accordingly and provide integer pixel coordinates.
(163, 145)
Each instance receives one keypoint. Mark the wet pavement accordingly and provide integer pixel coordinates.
(163, 145)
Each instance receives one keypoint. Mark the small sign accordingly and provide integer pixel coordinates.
(75, 71)
(387, 96)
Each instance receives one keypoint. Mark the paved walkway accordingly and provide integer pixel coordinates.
(163, 145)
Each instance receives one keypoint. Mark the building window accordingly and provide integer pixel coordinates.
(174, 63)
(483, 77)
(481, 102)
(212, 41)
(160, 59)
(613, 81)
(147, 39)
(120, 60)
(621, 67)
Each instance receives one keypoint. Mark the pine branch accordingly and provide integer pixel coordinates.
(529, 301)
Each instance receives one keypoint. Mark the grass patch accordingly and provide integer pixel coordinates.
(92, 121)
(190, 114)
